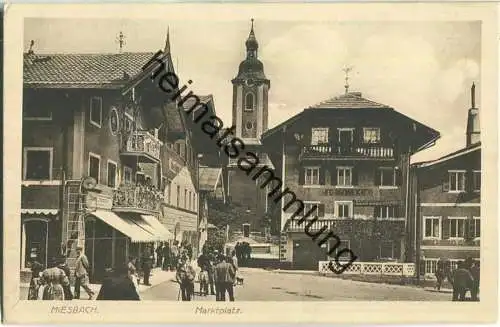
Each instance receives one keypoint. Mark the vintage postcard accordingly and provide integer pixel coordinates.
(299, 162)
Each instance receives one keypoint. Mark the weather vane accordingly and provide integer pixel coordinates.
(346, 70)
(121, 40)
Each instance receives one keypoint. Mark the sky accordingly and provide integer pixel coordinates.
(422, 69)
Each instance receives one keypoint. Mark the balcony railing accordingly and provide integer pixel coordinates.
(140, 199)
(328, 150)
(142, 143)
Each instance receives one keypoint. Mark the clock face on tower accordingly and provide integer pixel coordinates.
(249, 82)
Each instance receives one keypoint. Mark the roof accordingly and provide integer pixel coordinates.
(458, 153)
(209, 178)
(352, 100)
(83, 70)
(190, 102)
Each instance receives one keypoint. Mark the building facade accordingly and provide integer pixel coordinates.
(250, 120)
(349, 157)
(99, 161)
(446, 215)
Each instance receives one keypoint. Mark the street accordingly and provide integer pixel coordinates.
(262, 285)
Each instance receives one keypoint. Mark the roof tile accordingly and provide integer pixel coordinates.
(352, 100)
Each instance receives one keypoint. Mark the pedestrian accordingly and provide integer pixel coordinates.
(166, 257)
(234, 262)
(476, 274)
(54, 280)
(81, 274)
(237, 250)
(205, 266)
(147, 263)
(174, 255)
(159, 255)
(36, 269)
(132, 271)
(118, 286)
(224, 278)
(185, 276)
(66, 287)
(462, 281)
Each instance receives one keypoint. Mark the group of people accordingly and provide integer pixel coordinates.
(464, 278)
(53, 282)
(167, 256)
(243, 251)
(217, 274)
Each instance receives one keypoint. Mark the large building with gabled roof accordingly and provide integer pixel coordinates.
(349, 157)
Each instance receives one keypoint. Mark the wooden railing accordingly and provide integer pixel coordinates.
(142, 142)
(327, 150)
(129, 198)
(370, 268)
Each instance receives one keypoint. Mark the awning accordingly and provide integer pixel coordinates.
(162, 233)
(45, 212)
(124, 225)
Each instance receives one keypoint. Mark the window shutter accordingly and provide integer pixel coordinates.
(445, 228)
(354, 172)
(322, 174)
(377, 177)
(333, 175)
(321, 209)
(469, 181)
(399, 177)
(302, 175)
(446, 183)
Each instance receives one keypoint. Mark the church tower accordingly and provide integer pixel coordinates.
(250, 117)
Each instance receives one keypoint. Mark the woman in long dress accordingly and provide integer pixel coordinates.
(54, 278)
(36, 269)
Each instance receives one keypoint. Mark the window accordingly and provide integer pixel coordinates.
(249, 125)
(195, 204)
(189, 197)
(432, 227)
(386, 212)
(457, 180)
(344, 244)
(346, 136)
(178, 196)
(457, 227)
(477, 227)
(319, 135)
(344, 176)
(476, 180)
(112, 173)
(387, 249)
(96, 111)
(387, 176)
(343, 209)
(128, 122)
(169, 192)
(94, 166)
(127, 175)
(178, 148)
(249, 102)
(312, 176)
(308, 206)
(371, 135)
(37, 163)
(36, 109)
(140, 179)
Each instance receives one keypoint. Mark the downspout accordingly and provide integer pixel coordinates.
(63, 170)
(417, 227)
(407, 198)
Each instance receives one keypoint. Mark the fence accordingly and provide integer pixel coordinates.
(371, 268)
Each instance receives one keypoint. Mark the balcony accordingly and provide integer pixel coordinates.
(328, 151)
(144, 146)
(138, 199)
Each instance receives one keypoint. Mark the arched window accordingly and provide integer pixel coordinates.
(249, 102)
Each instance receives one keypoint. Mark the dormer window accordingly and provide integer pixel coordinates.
(249, 102)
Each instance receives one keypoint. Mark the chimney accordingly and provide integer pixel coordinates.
(473, 129)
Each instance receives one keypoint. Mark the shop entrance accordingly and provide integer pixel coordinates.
(98, 248)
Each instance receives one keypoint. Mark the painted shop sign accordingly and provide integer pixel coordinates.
(349, 192)
(99, 201)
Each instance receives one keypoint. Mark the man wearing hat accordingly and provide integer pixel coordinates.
(81, 274)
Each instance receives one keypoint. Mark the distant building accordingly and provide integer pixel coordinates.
(349, 156)
(446, 207)
(250, 120)
(101, 168)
